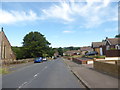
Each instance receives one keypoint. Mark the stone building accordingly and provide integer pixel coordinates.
(98, 47)
(6, 52)
(85, 49)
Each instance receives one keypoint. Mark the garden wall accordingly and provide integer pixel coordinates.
(9, 62)
(112, 53)
(111, 68)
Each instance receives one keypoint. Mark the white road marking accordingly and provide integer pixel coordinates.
(22, 84)
(36, 75)
(46, 67)
(26, 83)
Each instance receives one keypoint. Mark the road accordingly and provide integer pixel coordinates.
(50, 74)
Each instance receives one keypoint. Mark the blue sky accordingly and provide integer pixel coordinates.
(63, 23)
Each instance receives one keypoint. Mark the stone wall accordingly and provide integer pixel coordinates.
(9, 62)
(111, 68)
(81, 61)
(97, 50)
(112, 53)
(6, 50)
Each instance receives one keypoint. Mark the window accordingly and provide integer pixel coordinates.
(117, 47)
(107, 47)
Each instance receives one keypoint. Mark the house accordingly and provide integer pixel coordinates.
(85, 49)
(56, 54)
(6, 52)
(99, 47)
(72, 52)
(112, 48)
(112, 43)
(111, 63)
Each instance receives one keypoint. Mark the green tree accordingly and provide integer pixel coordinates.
(51, 52)
(117, 36)
(35, 45)
(19, 52)
(60, 51)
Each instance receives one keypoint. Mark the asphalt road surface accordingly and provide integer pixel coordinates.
(50, 74)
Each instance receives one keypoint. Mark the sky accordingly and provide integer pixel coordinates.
(64, 23)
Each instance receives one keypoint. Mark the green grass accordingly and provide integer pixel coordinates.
(4, 70)
(75, 56)
(102, 57)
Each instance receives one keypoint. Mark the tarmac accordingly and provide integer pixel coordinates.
(91, 78)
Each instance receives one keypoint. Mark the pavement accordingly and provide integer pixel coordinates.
(90, 77)
(50, 74)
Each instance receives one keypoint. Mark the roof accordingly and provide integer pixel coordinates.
(113, 41)
(97, 44)
(2, 34)
(86, 48)
(72, 51)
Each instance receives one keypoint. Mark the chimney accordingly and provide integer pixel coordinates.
(2, 29)
(106, 37)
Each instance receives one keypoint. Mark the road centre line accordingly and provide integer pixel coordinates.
(22, 84)
(36, 75)
(26, 83)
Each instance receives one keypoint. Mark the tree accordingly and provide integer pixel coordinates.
(35, 45)
(60, 51)
(19, 52)
(51, 52)
(117, 36)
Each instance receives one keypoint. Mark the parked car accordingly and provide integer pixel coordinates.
(55, 58)
(92, 53)
(38, 60)
(44, 59)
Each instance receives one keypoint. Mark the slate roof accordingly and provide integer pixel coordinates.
(97, 44)
(114, 41)
(87, 48)
(72, 51)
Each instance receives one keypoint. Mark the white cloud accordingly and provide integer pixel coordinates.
(8, 17)
(68, 31)
(93, 13)
(88, 15)
(61, 11)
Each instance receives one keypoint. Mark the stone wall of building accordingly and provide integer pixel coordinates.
(6, 50)
(97, 50)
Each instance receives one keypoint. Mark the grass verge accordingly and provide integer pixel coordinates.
(101, 57)
(4, 70)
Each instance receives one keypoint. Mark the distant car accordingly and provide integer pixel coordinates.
(38, 60)
(91, 53)
(44, 59)
(55, 58)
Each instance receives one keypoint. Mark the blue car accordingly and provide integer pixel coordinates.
(91, 53)
(38, 60)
